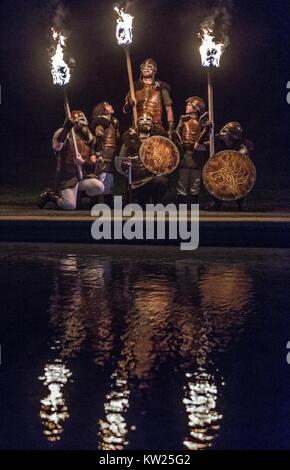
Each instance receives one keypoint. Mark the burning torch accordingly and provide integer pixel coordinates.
(61, 75)
(124, 35)
(211, 53)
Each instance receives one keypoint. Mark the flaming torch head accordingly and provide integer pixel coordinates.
(60, 70)
(210, 50)
(124, 29)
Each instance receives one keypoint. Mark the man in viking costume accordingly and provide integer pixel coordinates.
(188, 131)
(105, 128)
(230, 137)
(152, 96)
(146, 187)
(75, 173)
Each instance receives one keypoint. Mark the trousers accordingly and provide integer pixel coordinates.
(68, 197)
(189, 181)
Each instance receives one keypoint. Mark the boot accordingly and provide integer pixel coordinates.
(47, 195)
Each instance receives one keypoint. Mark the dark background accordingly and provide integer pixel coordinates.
(250, 86)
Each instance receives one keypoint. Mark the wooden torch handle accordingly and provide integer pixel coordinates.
(73, 134)
(211, 113)
(131, 83)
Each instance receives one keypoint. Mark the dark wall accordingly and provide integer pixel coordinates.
(250, 86)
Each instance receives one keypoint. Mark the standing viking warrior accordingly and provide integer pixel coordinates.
(75, 173)
(105, 129)
(146, 187)
(188, 132)
(230, 137)
(152, 96)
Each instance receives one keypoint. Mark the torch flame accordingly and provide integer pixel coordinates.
(210, 51)
(124, 27)
(60, 71)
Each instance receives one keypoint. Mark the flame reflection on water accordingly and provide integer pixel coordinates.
(135, 319)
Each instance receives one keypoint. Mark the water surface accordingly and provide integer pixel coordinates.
(144, 348)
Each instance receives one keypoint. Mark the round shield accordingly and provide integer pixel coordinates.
(159, 155)
(229, 175)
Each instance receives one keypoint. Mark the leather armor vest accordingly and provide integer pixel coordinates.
(190, 131)
(67, 152)
(110, 137)
(149, 101)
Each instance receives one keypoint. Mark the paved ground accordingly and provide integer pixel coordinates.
(30, 213)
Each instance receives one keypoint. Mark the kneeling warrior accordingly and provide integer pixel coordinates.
(145, 186)
(75, 173)
(188, 131)
(152, 96)
(105, 129)
(230, 137)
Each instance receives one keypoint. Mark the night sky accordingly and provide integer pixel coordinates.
(250, 86)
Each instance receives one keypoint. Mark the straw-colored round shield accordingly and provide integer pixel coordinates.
(229, 175)
(159, 155)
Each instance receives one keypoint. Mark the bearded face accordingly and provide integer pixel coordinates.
(81, 125)
(145, 124)
(79, 117)
(83, 131)
(148, 69)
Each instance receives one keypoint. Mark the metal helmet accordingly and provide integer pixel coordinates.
(234, 129)
(145, 119)
(198, 103)
(79, 116)
(149, 63)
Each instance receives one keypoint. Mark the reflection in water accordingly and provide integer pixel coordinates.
(143, 341)
(134, 318)
(146, 339)
(113, 428)
(98, 310)
(65, 309)
(81, 316)
(200, 400)
(226, 296)
(53, 411)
